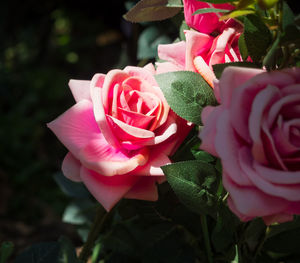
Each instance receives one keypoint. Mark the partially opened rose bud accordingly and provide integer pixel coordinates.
(266, 4)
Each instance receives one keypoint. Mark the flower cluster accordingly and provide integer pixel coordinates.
(126, 125)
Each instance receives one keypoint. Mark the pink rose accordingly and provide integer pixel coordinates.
(119, 133)
(256, 133)
(204, 23)
(200, 51)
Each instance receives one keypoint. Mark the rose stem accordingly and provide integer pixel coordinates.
(96, 229)
(206, 238)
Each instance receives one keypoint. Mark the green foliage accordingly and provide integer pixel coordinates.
(209, 10)
(195, 183)
(70, 188)
(183, 27)
(284, 238)
(242, 47)
(47, 252)
(257, 37)
(149, 40)
(187, 93)
(219, 68)
(153, 10)
(50, 252)
(79, 212)
(6, 250)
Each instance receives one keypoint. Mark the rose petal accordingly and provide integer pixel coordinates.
(76, 127)
(112, 78)
(277, 176)
(150, 67)
(174, 53)
(231, 79)
(209, 118)
(144, 189)
(227, 147)
(220, 45)
(161, 135)
(261, 104)
(243, 96)
(289, 192)
(127, 132)
(141, 73)
(71, 168)
(136, 119)
(286, 101)
(165, 67)
(250, 201)
(107, 160)
(80, 89)
(277, 218)
(157, 158)
(204, 70)
(206, 23)
(100, 117)
(197, 44)
(107, 190)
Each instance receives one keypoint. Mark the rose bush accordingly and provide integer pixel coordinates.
(119, 133)
(256, 133)
(215, 42)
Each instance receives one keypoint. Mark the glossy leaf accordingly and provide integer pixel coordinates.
(153, 10)
(195, 184)
(257, 37)
(210, 10)
(187, 93)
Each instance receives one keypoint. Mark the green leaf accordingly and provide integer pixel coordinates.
(223, 234)
(187, 93)
(288, 17)
(237, 12)
(245, 3)
(182, 28)
(175, 3)
(40, 253)
(257, 37)
(266, 4)
(255, 233)
(284, 238)
(195, 184)
(149, 40)
(242, 47)
(219, 68)
(203, 156)
(153, 10)
(6, 250)
(269, 60)
(209, 10)
(70, 188)
(184, 152)
(79, 213)
(217, 1)
(67, 251)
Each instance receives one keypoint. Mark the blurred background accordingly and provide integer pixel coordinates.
(43, 45)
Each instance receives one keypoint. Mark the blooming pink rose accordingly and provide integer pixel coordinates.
(256, 133)
(200, 51)
(119, 133)
(205, 23)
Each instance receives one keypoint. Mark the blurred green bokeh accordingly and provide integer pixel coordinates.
(43, 45)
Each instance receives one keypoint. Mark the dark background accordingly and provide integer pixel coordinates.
(43, 44)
